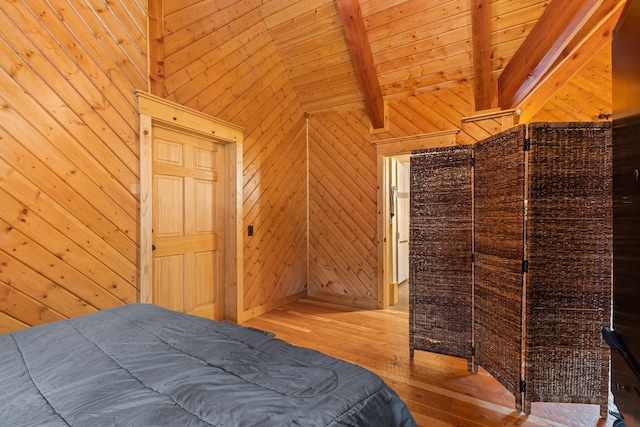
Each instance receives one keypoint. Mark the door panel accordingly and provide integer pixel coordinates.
(167, 271)
(204, 200)
(168, 206)
(203, 293)
(187, 201)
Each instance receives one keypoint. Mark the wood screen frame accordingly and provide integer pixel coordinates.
(155, 111)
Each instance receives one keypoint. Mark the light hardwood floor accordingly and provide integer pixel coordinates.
(438, 389)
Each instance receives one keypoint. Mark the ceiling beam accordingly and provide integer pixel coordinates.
(575, 57)
(557, 26)
(365, 69)
(481, 41)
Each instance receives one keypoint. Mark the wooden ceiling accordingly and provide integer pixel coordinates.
(347, 54)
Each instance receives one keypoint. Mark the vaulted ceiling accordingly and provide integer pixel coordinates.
(348, 54)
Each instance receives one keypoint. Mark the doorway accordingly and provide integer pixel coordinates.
(399, 188)
(195, 162)
(390, 152)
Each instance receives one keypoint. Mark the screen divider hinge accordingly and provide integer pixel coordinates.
(523, 386)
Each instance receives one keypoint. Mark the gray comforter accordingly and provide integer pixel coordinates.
(142, 365)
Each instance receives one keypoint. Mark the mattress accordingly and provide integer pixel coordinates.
(142, 365)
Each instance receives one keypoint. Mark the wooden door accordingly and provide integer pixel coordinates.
(188, 223)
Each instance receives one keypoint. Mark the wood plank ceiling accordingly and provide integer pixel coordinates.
(420, 46)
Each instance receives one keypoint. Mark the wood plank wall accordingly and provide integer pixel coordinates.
(343, 247)
(219, 59)
(343, 210)
(69, 150)
(437, 111)
(68, 157)
(585, 97)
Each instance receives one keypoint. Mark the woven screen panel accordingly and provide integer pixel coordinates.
(569, 241)
(499, 175)
(440, 275)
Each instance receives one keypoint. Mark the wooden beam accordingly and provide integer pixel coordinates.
(356, 33)
(576, 56)
(598, 18)
(481, 38)
(556, 27)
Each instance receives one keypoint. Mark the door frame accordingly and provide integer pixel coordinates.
(385, 150)
(398, 163)
(156, 111)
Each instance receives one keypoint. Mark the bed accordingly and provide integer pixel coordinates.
(143, 365)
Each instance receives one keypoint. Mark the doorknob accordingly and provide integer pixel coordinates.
(153, 247)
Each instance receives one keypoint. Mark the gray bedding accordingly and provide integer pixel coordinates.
(142, 365)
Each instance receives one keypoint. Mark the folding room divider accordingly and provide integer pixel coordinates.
(440, 256)
(499, 203)
(511, 258)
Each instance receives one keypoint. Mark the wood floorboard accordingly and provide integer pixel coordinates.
(438, 389)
